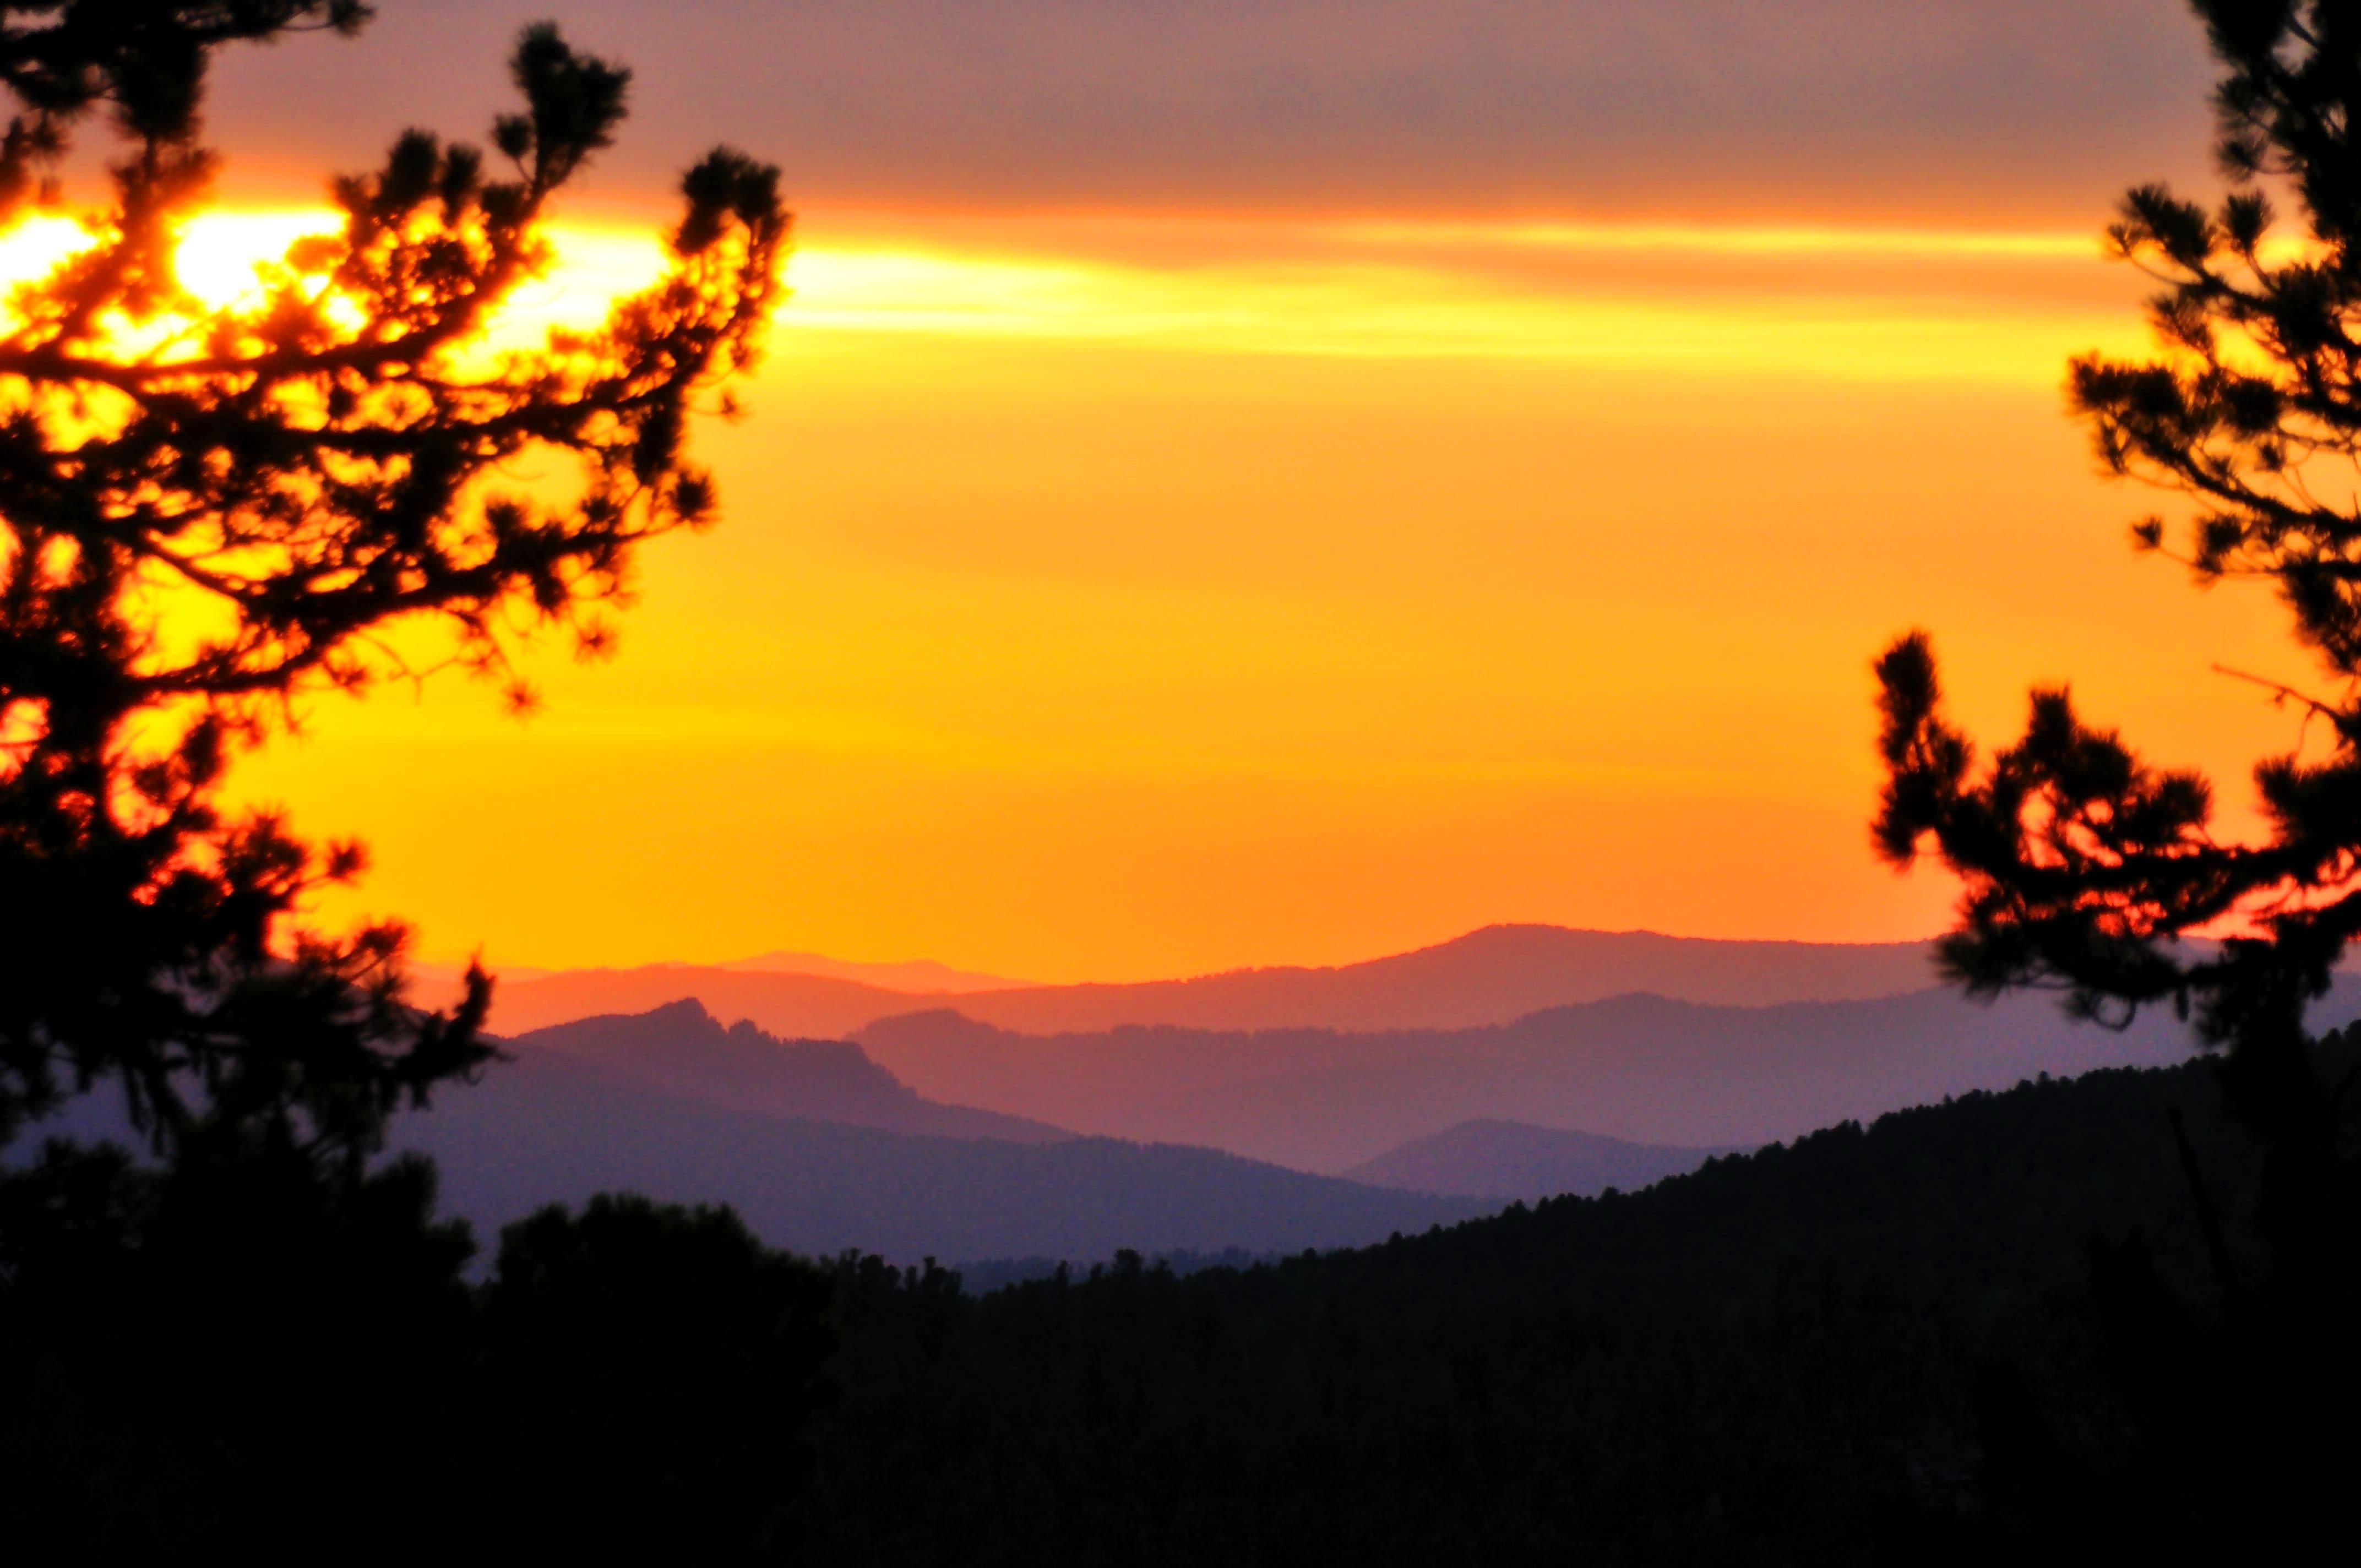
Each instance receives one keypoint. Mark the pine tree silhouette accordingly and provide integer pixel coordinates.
(249, 1337)
(2085, 867)
(297, 478)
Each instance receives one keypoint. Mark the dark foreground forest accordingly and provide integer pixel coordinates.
(1991, 1325)
(2107, 1320)
(1931, 1339)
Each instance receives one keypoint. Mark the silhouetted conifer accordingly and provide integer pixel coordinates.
(210, 513)
(249, 1338)
(2086, 867)
(648, 1370)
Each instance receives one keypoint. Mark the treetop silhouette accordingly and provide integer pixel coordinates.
(210, 513)
(145, 59)
(2084, 864)
(2086, 867)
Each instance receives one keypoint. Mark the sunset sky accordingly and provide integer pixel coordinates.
(1291, 482)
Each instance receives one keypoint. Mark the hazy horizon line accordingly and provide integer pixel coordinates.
(445, 964)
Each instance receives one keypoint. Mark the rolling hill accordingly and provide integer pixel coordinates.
(550, 1127)
(1494, 1159)
(1642, 1069)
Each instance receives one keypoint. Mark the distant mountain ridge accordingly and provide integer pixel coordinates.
(1490, 976)
(1494, 975)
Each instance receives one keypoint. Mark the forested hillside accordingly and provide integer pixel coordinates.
(1804, 1355)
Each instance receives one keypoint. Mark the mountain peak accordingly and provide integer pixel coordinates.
(681, 1050)
(689, 1014)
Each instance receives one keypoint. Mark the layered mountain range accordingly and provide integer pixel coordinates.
(1639, 1068)
(1264, 1110)
(1492, 976)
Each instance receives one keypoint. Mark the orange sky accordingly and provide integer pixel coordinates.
(1115, 590)
(1126, 597)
